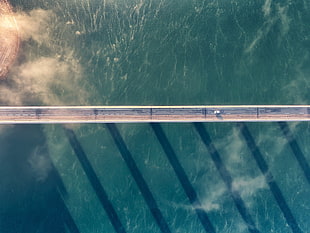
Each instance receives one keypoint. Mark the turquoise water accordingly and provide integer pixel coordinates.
(155, 52)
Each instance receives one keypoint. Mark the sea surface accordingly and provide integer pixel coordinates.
(137, 178)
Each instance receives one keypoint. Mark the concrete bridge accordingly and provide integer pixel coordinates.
(135, 114)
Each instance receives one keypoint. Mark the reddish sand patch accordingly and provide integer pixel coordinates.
(9, 38)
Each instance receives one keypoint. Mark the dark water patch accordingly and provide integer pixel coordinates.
(70, 223)
(178, 169)
(95, 182)
(300, 157)
(30, 186)
(273, 186)
(147, 195)
(226, 177)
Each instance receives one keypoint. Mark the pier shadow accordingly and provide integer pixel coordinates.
(94, 181)
(273, 186)
(179, 171)
(300, 157)
(227, 178)
(136, 174)
(31, 190)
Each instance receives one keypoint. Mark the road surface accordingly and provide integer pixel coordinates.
(131, 114)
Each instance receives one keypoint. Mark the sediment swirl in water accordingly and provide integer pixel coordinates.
(9, 39)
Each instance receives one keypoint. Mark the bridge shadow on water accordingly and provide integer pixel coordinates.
(273, 186)
(136, 174)
(179, 171)
(183, 178)
(227, 178)
(299, 155)
(31, 190)
(32, 194)
(94, 181)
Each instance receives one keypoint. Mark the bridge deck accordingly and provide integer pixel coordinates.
(130, 114)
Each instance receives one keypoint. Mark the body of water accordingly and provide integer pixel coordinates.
(191, 178)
